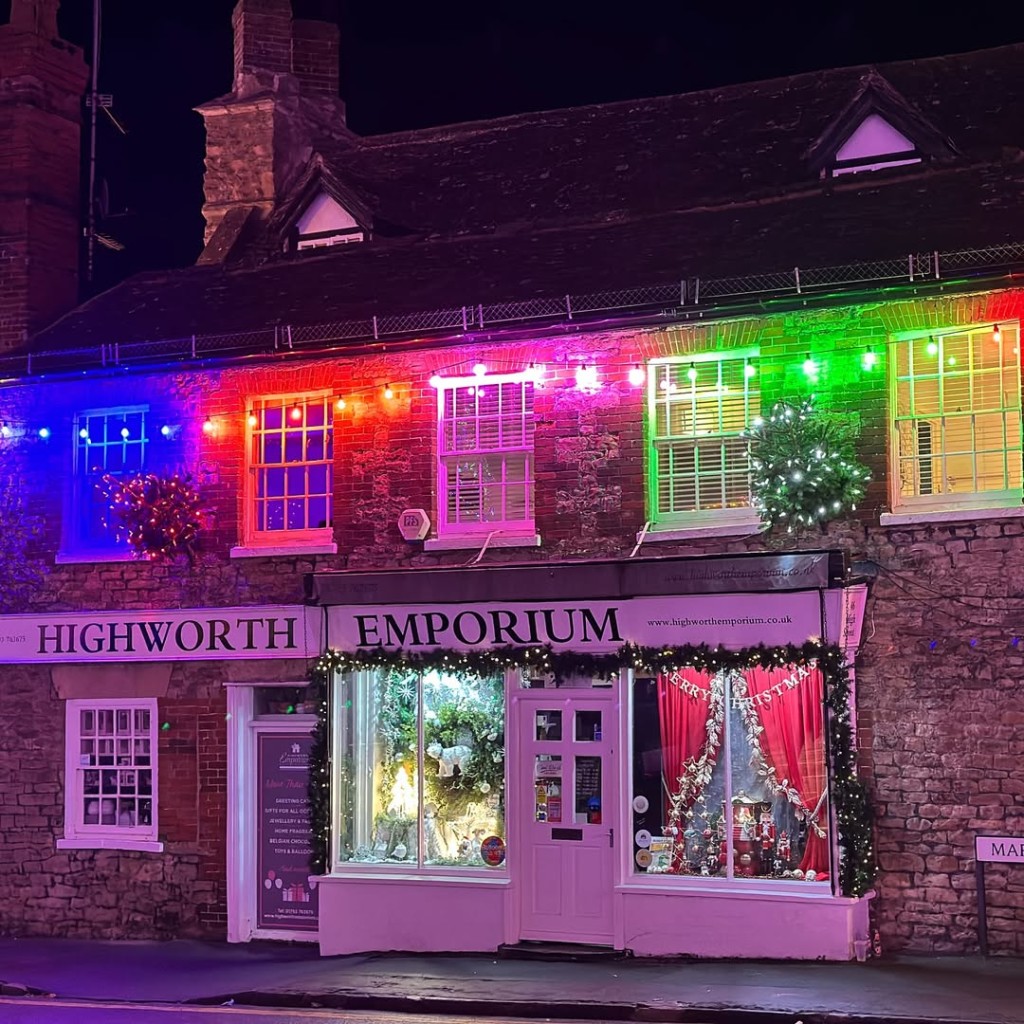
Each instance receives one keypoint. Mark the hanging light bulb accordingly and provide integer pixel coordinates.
(388, 393)
(869, 360)
(165, 430)
(932, 348)
(436, 381)
(536, 373)
(997, 334)
(586, 377)
(253, 419)
(691, 373)
(951, 361)
(749, 370)
(479, 369)
(296, 412)
(125, 432)
(340, 404)
(44, 433)
(5, 430)
(208, 427)
(810, 367)
(637, 376)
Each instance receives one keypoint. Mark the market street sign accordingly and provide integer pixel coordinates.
(999, 849)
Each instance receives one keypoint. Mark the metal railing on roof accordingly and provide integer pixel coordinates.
(680, 298)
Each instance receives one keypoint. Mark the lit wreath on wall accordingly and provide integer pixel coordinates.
(854, 817)
(804, 468)
(159, 517)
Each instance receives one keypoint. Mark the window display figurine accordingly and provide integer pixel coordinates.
(450, 758)
(784, 847)
(765, 831)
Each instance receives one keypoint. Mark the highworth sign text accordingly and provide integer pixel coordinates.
(288, 631)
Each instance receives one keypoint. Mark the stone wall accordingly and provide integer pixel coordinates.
(940, 700)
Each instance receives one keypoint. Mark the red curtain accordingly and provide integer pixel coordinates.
(685, 707)
(793, 744)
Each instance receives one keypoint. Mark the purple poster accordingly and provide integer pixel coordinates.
(285, 900)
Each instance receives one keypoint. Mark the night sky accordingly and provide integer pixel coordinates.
(408, 65)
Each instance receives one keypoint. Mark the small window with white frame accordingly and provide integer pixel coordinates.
(291, 470)
(111, 774)
(698, 408)
(956, 423)
(485, 455)
(112, 442)
(325, 222)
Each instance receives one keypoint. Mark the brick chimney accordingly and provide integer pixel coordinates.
(284, 96)
(42, 80)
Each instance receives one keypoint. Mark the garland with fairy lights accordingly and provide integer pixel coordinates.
(853, 812)
(160, 517)
(804, 468)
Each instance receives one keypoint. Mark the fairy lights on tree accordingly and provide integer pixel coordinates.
(804, 468)
(159, 517)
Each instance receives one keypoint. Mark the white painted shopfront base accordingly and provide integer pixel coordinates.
(360, 914)
(769, 926)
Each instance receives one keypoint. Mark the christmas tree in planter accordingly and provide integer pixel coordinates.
(804, 467)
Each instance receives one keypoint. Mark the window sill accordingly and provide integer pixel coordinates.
(86, 557)
(111, 843)
(274, 550)
(949, 515)
(371, 873)
(739, 528)
(477, 541)
(815, 892)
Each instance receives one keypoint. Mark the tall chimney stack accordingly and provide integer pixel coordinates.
(42, 79)
(285, 96)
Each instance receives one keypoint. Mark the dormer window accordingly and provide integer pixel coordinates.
(326, 222)
(874, 145)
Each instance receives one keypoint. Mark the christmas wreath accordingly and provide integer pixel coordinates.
(159, 517)
(804, 468)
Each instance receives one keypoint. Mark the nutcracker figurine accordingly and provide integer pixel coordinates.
(765, 831)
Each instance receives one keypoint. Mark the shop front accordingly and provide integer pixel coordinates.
(638, 755)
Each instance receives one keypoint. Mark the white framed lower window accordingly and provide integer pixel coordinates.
(956, 420)
(111, 774)
(698, 408)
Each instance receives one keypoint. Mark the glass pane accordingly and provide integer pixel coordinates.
(549, 725)
(730, 820)
(459, 801)
(464, 767)
(588, 790)
(588, 726)
(547, 776)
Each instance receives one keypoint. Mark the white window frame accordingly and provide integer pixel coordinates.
(931, 505)
(74, 545)
(506, 528)
(743, 518)
(77, 834)
(285, 541)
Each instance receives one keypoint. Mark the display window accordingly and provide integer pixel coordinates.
(420, 770)
(729, 775)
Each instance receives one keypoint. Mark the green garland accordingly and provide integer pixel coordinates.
(852, 806)
(803, 466)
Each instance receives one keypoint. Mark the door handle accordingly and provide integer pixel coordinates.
(611, 837)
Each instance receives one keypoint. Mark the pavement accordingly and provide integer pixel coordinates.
(950, 990)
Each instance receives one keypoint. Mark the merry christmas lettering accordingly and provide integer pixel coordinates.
(791, 682)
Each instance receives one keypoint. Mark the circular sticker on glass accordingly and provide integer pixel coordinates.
(492, 851)
(643, 858)
(640, 804)
(642, 839)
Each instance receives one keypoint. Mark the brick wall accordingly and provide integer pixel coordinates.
(940, 717)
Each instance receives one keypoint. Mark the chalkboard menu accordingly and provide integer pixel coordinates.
(285, 900)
